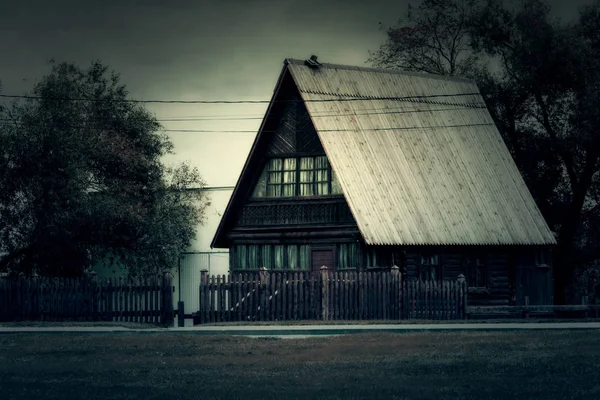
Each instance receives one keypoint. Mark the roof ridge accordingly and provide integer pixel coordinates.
(382, 70)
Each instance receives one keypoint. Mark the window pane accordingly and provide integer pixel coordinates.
(241, 256)
(304, 257)
(253, 257)
(275, 164)
(352, 250)
(289, 177)
(275, 178)
(267, 256)
(278, 257)
(306, 189)
(289, 164)
(292, 253)
(343, 256)
(274, 191)
(306, 163)
(321, 162)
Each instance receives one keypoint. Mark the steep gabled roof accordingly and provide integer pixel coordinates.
(418, 158)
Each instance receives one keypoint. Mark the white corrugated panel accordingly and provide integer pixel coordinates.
(419, 171)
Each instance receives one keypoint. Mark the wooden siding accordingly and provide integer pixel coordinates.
(294, 132)
(453, 264)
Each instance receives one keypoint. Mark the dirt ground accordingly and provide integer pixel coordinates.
(156, 365)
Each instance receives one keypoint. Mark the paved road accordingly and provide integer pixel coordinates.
(296, 331)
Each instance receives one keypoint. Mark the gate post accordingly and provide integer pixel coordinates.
(324, 293)
(167, 299)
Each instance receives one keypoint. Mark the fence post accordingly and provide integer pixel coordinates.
(397, 292)
(262, 290)
(203, 295)
(324, 293)
(167, 299)
(462, 295)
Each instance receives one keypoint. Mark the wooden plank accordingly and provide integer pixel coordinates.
(371, 294)
(141, 290)
(315, 295)
(300, 293)
(285, 307)
(295, 296)
(277, 297)
(361, 295)
(271, 296)
(228, 297)
(255, 298)
(211, 300)
(443, 299)
(366, 280)
(386, 294)
(238, 302)
(219, 299)
(134, 292)
(117, 294)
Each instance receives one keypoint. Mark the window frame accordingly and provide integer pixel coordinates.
(297, 184)
(429, 265)
(269, 250)
(486, 267)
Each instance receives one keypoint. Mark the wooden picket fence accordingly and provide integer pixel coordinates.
(274, 296)
(85, 299)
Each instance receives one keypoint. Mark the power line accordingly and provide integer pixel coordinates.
(315, 115)
(343, 99)
(322, 130)
(335, 130)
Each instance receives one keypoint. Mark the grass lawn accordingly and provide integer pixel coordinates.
(453, 365)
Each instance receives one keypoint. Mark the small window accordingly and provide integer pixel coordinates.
(347, 256)
(430, 268)
(382, 257)
(542, 258)
(477, 271)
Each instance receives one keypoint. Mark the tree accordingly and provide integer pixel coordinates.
(434, 38)
(82, 183)
(541, 91)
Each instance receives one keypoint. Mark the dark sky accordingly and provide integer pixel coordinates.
(188, 50)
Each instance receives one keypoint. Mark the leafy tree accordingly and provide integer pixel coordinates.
(540, 84)
(81, 180)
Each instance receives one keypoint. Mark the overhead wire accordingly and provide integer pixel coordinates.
(341, 98)
(404, 111)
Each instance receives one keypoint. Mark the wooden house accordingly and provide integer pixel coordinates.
(359, 168)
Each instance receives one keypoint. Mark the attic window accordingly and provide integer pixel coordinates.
(297, 176)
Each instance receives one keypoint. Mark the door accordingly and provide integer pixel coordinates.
(322, 256)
